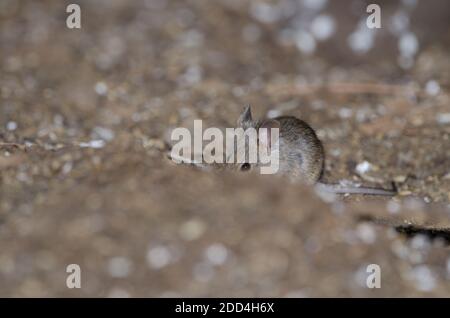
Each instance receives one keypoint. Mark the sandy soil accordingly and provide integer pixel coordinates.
(85, 124)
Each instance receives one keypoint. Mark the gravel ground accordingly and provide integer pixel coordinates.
(85, 124)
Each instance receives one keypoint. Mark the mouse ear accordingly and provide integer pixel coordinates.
(245, 117)
(265, 135)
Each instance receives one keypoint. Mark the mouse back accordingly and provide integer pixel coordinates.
(301, 151)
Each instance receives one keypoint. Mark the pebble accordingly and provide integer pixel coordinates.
(158, 257)
(103, 133)
(408, 44)
(216, 254)
(423, 278)
(366, 233)
(362, 39)
(11, 125)
(420, 242)
(393, 207)
(264, 12)
(96, 144)
(363, 167)
(305, 42)
(432, 88)
(323, 27)
(101, 88)
(443, 118)
(192, 229)
(400, 178)
(119, 267)
(345, 113)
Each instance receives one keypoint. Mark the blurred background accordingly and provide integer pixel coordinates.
(85, 122)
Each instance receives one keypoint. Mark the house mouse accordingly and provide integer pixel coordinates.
(301, 154)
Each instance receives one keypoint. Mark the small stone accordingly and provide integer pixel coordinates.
(323, 27)
(216, 254)
(101, 88)
(11, 126)
(192, 230)
(443, 118)
(366, 233)
(393, 207)
(345, 113)
(67, 167)
(432, 88)
(119, 267)
(400, 178)
(264, 12)
(96, 144)
(154, 143)
(363, 167)
(305, 42)
(420, 241)
(423, 278)
(408, 44)
(159, 257)
(103, 133)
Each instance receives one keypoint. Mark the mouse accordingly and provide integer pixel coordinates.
(301, 154)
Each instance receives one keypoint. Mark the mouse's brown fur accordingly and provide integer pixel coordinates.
(301, 154)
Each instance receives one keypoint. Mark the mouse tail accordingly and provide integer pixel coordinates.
(343, 189)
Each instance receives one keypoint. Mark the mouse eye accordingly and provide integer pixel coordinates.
(245, 167)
